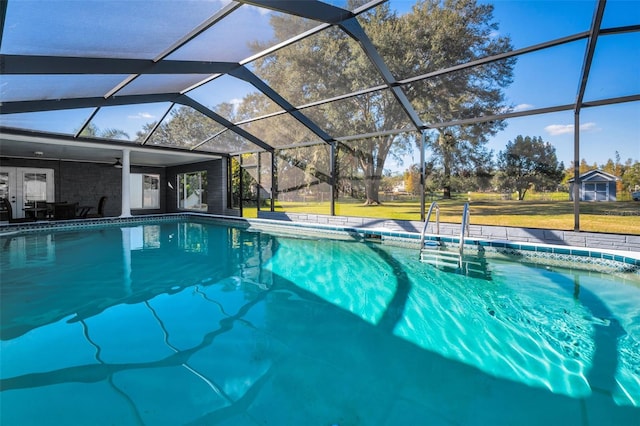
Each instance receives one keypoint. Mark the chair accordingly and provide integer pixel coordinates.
(64, 211)
(6, 204)
(101, 203)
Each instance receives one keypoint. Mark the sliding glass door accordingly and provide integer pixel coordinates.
(192, 191)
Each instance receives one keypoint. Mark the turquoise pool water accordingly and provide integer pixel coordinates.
(191, 323)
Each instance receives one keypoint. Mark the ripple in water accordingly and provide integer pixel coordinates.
(527, 324)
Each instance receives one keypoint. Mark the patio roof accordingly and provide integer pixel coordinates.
(71, 70)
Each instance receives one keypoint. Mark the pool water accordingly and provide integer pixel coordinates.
(202, 323)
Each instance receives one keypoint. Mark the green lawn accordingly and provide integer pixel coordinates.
(547, 214)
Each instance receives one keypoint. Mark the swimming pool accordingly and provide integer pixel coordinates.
(181, 322)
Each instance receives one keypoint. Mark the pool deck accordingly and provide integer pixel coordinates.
(611, 250)
(628, 245)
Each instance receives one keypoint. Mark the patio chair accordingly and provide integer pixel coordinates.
(6, 204)
(101, 203)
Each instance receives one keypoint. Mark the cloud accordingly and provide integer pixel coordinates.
(141, 115)
(559, 129)
(563, 129)
(522, 107)
(519, 107)
(588, 127)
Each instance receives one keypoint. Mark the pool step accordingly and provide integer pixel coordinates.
(454, 262)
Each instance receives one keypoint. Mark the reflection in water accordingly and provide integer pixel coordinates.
(250, 328)
(126, 257)
(192, 237)
(28, 251)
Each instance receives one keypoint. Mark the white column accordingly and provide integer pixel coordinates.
(126, 186)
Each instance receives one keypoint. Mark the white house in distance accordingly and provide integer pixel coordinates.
(595, 185)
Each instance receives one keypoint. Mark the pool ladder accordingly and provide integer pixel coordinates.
(431, 252)
(464, 227)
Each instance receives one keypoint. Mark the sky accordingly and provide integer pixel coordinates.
(603, 130)
(541, 79)
(551, 77)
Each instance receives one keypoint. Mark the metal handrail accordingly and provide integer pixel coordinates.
(426, 222)
(464, 226)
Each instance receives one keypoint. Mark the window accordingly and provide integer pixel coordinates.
(145, 191)
(192, 191)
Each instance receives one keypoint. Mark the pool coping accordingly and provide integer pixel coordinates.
(627, 261)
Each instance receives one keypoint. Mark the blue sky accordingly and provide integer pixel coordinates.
(551, 77)
(541, 79)
(604, 130)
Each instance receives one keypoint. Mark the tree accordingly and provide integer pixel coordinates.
(93, 131)
(412, 179)
(631, 176)
(434, 35)
(528, 162)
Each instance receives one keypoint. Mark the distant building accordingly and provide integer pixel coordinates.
(595, 185)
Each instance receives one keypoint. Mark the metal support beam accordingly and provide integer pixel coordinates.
(246, 75)
(86, 122)
(155, 127)
(258, 181)
(274, 181)
(423, 177)
(186, 100)
(73, 103)
(334, 176)
(316, 10)
(47, 65)
(591, 47)
(576, 172)
(240, 183)
(352, 28)
(584, 78)
(3, 16)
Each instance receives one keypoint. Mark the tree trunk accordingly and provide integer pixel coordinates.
(372, 190)
(446, 186)
(521, 193)
(447, 158)
(373, 166)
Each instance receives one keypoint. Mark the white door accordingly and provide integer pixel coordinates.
(23, 185)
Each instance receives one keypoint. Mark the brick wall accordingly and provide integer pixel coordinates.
(216, 185)
(84, 183)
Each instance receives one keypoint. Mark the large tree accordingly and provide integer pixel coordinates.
(433, 35)
(529, 162)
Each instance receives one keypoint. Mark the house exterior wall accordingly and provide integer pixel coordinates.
(216, 186)
(84, 183)
(79, 182)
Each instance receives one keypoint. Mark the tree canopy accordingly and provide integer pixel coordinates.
(432, 36)
(529, 162)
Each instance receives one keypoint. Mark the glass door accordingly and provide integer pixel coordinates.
(192, 191)
(23, 186)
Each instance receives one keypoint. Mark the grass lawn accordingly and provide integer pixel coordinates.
(546, 214)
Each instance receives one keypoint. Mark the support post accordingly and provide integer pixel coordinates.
(241, 183)
(576, 172)
(126, 184)
(422, 174)
(258, 182)
(334, 177)
(274, 181)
